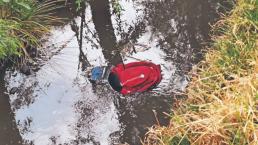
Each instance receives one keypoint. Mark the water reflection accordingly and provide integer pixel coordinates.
(59, 105)
(182, 26)
(9, 133)
(101, 17)
(130, 109)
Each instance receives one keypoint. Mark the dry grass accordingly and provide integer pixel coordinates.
(222, 103)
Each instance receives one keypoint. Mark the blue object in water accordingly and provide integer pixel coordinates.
(97, 73)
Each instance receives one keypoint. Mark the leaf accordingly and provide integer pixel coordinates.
(177, 140)
(24, 5)
(6, 1)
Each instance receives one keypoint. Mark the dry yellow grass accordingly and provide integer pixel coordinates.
(222, 103)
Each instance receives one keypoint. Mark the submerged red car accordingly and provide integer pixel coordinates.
(134, 77)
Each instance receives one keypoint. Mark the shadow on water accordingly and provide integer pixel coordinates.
(101, 17)
(181, 27)
(59, 105)
(9, 133)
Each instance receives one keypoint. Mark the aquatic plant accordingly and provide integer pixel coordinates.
(22, 23)
(222, 97)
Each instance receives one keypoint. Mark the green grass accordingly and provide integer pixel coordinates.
(23, 23)
(222, 102)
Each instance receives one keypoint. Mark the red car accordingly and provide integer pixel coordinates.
(134, 77)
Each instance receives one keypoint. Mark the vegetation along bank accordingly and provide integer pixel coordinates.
(222, 97)
(22, 24)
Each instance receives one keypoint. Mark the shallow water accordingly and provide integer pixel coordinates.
(57, 104)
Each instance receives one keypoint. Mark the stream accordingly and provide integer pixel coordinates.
(57, 104)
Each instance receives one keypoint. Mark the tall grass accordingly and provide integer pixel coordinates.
(23, 23)
(222, 97)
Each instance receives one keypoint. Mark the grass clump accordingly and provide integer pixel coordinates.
(22, 23)
(222, 102)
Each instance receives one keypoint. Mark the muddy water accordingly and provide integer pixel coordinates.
(57, 104)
